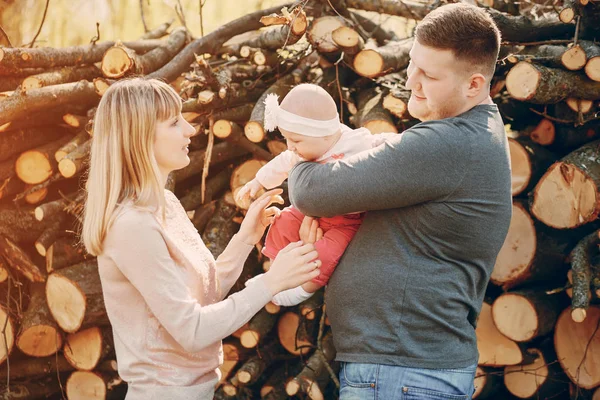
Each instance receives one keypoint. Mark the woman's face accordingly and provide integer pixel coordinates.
(171, 143)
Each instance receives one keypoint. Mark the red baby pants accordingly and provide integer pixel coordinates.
(337, 234)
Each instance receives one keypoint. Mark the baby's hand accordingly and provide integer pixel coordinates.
(250, 190)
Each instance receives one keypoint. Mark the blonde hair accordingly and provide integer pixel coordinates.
(122, 162)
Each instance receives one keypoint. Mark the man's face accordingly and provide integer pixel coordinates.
(438, 83)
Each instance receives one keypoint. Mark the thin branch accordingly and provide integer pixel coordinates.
(337, 79)
(208, 155)
(143, 16)
(551, 118)
(201, 4)
(180, 14)
(97, 37)
(4, 333)
(41, 25)
(3, 32)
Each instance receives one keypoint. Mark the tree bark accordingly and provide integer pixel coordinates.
(45, 98)
(543, 85)
(385, 59)
(149, 62)
(371, 113)
(62, 75)
(17, 58)
(211, 43)
(39, 335)
(581, 264)
(19, 261)
(74, 296)
(254, 128)
(258, 328)
(17, 141)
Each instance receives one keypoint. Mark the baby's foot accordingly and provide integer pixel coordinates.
(291, 297)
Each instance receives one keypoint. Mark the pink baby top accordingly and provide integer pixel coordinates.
(352, 141)
(165, 298)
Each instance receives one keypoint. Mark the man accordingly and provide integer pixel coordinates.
(404, 300)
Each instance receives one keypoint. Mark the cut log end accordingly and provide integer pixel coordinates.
(66, 302)
(396, 106)
(522, 81)
(574, 58)
(85, 385)
(31, 82)
(580, 105)
(272, 308)
(578, 315)
(495, 349)
(577, 347)
(33, 167)
(249, 339)
(565, 197)
(515, 317)
(223, 128)
(523, 381)
(40, 341)
(287, 328)
(380, 126)
(368, 63)
(566, 15)
(292, 388)
(83, 349)
(521, 166)
(320, 32)
(544, 133)
(7, 335)
(116, 62)
(592, 69)
(254, 131)
(518, 249)
(67, 168)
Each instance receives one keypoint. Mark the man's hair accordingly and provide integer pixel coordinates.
(467, 30)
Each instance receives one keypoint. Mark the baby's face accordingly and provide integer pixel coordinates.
(308, 147)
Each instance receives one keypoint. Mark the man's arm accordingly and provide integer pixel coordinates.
(425, 163)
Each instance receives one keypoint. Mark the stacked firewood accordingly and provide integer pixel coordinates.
(538, 329)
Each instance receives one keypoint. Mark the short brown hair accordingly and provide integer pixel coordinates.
(467, 30)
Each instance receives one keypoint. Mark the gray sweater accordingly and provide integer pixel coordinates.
(410, 286)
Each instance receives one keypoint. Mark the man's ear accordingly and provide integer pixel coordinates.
(477, 83)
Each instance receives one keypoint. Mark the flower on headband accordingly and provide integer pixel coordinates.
(271, 111)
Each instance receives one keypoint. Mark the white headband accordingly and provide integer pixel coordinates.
(275, 117)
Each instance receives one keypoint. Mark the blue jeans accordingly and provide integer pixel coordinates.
(388, 382)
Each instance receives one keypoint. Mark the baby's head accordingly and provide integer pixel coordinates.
(309, 121)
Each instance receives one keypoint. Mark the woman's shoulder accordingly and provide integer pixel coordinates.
(131, 220)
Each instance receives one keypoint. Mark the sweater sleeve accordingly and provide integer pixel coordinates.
(276, 171)
(425, 163)
(230, 264)
(136, 246)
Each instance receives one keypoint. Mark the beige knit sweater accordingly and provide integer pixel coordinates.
(164, 294)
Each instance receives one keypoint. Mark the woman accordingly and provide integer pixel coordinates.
(163, 290)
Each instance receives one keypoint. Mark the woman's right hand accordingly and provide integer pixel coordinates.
(294, 265)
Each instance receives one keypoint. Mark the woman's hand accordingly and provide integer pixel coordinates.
(309, 230)
(259, 216)
(294, 265)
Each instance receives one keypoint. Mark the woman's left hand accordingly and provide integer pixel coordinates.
(259, 216)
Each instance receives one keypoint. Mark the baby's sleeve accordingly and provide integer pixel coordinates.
(276, 171)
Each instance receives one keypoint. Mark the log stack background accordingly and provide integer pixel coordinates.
(538, 330)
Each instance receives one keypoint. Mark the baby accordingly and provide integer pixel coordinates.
(308, 120)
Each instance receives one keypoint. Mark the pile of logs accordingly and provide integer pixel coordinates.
(538, 331)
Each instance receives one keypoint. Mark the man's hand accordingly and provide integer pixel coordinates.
(309, 230)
